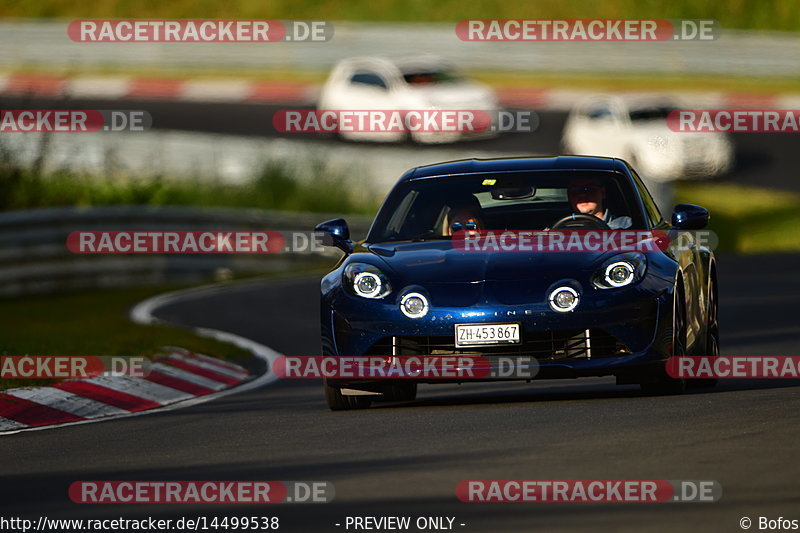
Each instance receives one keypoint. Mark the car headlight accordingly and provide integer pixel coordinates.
(620, 271)
(414, 305)
(563, 299)
(619, 274)
(366, 280)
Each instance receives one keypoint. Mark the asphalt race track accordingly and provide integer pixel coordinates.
(406, 459)
(763, 159)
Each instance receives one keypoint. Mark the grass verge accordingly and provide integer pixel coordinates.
(747, 220)
(91, 323)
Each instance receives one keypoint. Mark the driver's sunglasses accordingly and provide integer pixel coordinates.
(578, 189)
(468, 225)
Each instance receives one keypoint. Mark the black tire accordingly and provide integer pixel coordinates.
(344, 402)
(400, 392)
(712, 337)
(664, 383)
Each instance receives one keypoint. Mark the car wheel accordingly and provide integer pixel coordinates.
(400, 392)
(712, 336)
(343, 402)
(664, 383)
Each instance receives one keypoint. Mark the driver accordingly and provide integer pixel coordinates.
(587, 196)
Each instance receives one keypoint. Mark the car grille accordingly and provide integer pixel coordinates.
(543, 345)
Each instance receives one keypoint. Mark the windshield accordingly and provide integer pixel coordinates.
(428, 76)
(434, 208)
(650, 113)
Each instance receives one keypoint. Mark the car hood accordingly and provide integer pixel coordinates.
(439, 261)
(457, 278)
(659, 128)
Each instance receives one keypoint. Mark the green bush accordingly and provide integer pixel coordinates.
(276, 187)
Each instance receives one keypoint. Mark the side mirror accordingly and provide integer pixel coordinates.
(688, 216)
(336, 233)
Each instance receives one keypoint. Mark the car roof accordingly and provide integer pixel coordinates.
(404, 64)
(514, 164)
(629, 102)
(426, 62)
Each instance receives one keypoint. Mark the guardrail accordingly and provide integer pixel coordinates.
(34, 258)
(369, 170)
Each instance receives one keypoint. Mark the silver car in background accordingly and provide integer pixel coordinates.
(419, 83)
(636, 130)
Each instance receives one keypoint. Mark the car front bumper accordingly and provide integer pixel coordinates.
(627, 328)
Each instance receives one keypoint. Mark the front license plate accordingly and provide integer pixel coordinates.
(483, 334)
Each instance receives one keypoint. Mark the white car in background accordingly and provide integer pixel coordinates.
(637, 132)
(423, 83)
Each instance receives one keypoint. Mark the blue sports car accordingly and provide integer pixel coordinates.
(431, 280)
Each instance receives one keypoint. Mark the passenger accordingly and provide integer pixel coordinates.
(464, 214)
